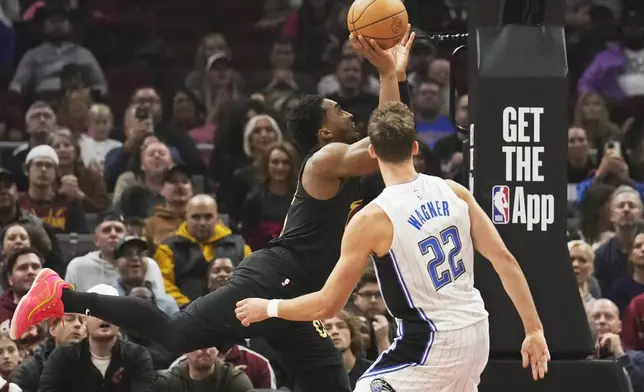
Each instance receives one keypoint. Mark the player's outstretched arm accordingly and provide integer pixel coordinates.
(360, 239)
(489, 243)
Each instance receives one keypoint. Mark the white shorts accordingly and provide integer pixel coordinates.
(454, 363)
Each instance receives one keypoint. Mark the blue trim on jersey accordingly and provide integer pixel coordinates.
(421, 313)
(385, 370)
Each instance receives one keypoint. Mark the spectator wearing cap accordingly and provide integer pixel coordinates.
(132, 264)
(40, 69)
(184, 257)
(12, 214)
(77, 181)
(220, 88)
(18, 275)
(103, 361)
(40, 122)
(69, 329)
(100, 266)
(63, 213)
(138, 193)
(168, 216)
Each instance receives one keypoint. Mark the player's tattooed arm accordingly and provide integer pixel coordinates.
(367, 232)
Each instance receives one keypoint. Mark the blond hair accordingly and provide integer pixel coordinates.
(585, 249)
(100, 109)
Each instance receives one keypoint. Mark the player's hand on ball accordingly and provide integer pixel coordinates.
(534, 352)
(384, 60)
(252, 310)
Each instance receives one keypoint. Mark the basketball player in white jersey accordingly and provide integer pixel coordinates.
(421, 233)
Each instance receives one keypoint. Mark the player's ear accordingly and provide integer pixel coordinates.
(415, 148)
(325, 134)
(372, 152)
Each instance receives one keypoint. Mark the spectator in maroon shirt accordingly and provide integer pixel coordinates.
(18, 275)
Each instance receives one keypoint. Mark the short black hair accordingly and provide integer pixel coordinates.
(12, 259)
(368, 277)
(304, 121)
(392, 131)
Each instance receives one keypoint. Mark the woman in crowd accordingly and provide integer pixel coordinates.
(591, 114)
(23, 235)
(594, 214)
(187, 114)
(76, 180)
(623, 290)
(9, 355)
(266, 206)
(583, 259)
(260, 133)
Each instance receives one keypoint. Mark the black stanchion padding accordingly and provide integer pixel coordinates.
(563, 376)
(520, 143)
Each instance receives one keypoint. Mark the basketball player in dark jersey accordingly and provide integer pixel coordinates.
(297, 263)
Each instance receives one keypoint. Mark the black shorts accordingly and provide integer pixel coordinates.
(305, 347)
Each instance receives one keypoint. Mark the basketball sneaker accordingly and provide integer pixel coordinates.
(42, 302)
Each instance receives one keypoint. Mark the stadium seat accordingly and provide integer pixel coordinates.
(75, 245)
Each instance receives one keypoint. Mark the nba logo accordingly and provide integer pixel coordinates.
(501, 204)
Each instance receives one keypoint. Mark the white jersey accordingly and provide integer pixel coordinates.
(427, 279)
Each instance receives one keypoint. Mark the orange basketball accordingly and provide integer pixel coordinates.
(385, 21)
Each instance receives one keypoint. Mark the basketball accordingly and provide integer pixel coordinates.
(384, 21)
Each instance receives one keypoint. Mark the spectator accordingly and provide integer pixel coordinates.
(604, 321)
(132, 264)
(63, 213)
(100, 267)
(265, 208)
(449, 149)
(77, 181)
(430, 123)
(24, 235)
(40, 68)
(201, 234)
(351, 96)
(591, 114)
(95, 147)
(260, 133)
(439, 71)
(18, 274)
(11, 213)
(612, 170)
(595, 214)
(201, 370)
(10, 356)
(344, 330)
(9, 13)
(634, 146)
(329, 84)
(368, 302)
(221, 88)
(73, 111)
(256, 366)
(40, 121)
(616, 72)
(580, 162)
(138, 194)
(583, 259)
(101, 361)
(611, 259)
(624, 289)
(188, 114)
(209, 45)
(168, 216)
(69, 329)
(281, 79)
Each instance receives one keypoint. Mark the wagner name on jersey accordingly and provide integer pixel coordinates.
(428, 276)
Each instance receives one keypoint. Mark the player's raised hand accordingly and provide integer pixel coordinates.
(402, 50)
(534, 352)
(384, 60)
(252, 310)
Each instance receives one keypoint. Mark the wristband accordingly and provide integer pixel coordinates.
(271, 309)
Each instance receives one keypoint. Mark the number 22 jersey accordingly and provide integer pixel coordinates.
(427, 278)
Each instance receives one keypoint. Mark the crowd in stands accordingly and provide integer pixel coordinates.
(143, 153)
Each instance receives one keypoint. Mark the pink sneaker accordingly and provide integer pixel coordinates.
(42, 302)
